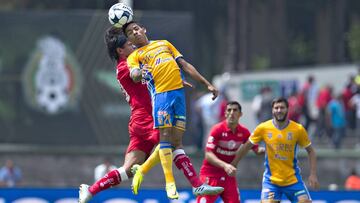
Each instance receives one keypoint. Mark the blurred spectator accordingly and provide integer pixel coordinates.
(210, 111)
(336, 113)
(10, 175)
(261, 104)
(223, 103)
(355, 103)
(196, 126)
(294, 107)
(102, 169)
(323, 99)
(307, 101)
(353, 181)
(350, 112)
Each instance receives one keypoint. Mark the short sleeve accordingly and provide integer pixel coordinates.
(212, 140)
(133, 61)
(176, 54)
(303, 138)
(257, 135)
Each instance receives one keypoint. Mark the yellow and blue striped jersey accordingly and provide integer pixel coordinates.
(164, 74)
(281, 167)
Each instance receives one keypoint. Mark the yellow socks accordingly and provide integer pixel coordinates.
(166, 158)
(151, 161)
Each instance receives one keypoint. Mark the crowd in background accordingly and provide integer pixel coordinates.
(327, 115)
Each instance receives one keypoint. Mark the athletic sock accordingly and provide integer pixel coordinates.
(151, 161)
(112, 178)
(165, 154)
(183, 163)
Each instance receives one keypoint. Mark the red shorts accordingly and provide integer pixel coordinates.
(230, 194)
(143, 138)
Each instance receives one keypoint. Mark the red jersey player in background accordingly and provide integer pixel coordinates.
(143, 137)
(224, 140)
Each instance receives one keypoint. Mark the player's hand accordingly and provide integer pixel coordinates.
(187, 84)
(230, 170)
(214, 91)
(313, 181)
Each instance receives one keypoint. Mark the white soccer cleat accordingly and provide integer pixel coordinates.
(206, 189)
(84, 194)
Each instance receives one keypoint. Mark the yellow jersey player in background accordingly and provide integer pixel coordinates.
(282, 138)
(157, 62)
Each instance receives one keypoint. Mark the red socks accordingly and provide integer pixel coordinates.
(184, 164)
(110, 179)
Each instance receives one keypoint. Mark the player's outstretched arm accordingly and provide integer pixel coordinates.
(194, 74)
(241, 152)
(313, 180)
(214, 160)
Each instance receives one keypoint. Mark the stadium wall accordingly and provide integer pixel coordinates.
(33, 195)
(65, 168)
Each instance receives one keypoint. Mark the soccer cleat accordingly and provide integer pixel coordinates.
(137, 179)
(84, 194)
(171, 191)
(206, 189)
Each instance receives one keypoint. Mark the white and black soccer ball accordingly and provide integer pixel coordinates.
(120, 14)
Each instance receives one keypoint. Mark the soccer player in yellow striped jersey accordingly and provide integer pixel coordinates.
(282, 138)
(157, 63)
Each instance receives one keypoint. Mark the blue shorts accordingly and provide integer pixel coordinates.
(169, 109)
(294, 192)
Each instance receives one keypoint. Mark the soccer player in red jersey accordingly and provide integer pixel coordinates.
(224, 140)
(143, 137)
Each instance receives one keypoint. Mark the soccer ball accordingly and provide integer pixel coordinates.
(120, 14)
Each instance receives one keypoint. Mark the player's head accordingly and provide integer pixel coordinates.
(117, 44)
(233, 112)
(280, 107)
(136, 33)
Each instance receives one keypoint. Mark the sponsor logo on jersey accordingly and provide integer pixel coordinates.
(289, 136)
(225, 152)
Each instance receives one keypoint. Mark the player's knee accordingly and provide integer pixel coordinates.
(165, 134)
(304, 201)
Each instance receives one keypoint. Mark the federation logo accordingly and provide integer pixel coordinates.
(51, 79)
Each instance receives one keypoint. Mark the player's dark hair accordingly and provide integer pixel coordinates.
(127, 24)
(114, 38)
(234, 103)
(280, 100)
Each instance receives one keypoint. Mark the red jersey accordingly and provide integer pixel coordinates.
(136, 94)
(224, 144)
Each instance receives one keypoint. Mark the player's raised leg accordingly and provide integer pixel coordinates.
(112, 178)
(140, 170)
(183, 163)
